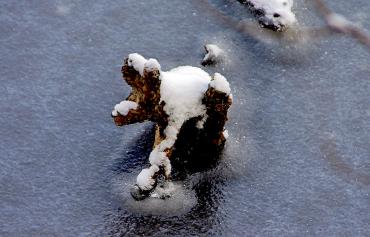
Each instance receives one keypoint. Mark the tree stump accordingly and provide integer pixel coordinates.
(170, 99)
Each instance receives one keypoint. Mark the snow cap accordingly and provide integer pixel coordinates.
(137, 61)
(152, 65)
(124, 107)
(145, 179)
(220, 83)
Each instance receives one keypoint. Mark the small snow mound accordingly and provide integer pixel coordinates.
(152, 64)
(220, 83)
(145, 179)
(124, 107)
(137, 61)
(214, 53)
(175, 199)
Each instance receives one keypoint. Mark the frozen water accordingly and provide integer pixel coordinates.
(296, 162)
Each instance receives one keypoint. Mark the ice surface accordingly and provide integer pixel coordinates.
(296, 162)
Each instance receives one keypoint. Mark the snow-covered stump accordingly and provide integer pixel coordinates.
(170, 99)
(276, 15)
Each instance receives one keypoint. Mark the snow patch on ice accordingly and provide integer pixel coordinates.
(175, 200)
(214, 53)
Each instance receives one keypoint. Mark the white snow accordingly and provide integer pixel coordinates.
(214, 53)
(145, 179)
(152, 64)
(124, 107)
(137, 61)
(226, 134)
(182, 89)
(277, 11)
(158, 156)
(220, 83)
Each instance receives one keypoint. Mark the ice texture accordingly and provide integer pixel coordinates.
(296, 162)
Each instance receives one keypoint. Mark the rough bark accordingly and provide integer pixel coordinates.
(146, 93)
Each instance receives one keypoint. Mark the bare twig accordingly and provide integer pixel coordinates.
(339, 24)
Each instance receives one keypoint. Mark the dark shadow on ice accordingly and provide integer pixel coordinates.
(137, 152)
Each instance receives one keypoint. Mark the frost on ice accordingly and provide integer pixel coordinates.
(171, 99)
(273, 14)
